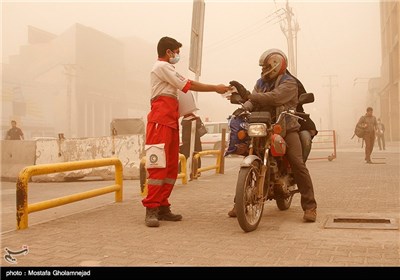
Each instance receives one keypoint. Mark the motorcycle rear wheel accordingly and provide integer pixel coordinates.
(249, 207)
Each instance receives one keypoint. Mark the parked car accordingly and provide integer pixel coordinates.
(212, 139)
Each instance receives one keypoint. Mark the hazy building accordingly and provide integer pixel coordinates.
(390, 69)
(74, 83)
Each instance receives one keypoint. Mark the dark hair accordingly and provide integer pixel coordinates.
(167, 43)
(369, 109)
(13, 121)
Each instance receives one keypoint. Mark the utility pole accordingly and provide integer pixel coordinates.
(330, 112)
(291, 35)
(195, 58)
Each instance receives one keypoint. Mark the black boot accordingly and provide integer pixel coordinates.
(152, 217)
(165, 214)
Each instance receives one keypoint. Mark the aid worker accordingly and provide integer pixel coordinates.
(162, 132)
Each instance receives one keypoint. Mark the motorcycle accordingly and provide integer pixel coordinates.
(265, 172)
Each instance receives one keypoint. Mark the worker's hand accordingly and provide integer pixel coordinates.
(221, 89)
(244, 93)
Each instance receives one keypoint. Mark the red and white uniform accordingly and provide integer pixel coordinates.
(163, 127)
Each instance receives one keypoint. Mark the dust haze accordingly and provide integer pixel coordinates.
(53, 53)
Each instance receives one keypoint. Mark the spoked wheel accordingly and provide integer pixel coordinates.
(249, 207)
(283, 196)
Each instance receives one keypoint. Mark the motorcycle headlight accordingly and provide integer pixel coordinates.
(257, 130)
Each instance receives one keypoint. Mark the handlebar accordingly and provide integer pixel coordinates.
(235, 98)
(291, 113)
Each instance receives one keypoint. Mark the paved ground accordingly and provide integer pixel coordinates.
(114, 234)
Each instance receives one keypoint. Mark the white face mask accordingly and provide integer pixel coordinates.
(174, 59)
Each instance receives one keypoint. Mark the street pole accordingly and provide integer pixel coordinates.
(291, 34)
(69, 73)
(330, 105)
(196, 49)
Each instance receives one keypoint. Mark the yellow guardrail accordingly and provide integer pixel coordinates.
(196, 170)
(219, 165)
(23, 208)
(143, 173)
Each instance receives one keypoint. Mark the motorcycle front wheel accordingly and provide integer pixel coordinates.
(249, 205)
(284, 203)
(284, 199)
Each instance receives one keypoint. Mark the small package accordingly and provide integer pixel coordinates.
(187, 103)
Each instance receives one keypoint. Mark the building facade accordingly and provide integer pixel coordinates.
(74, 83)
(389, 94)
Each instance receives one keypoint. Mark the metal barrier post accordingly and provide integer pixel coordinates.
(327, 137)
(334, 144)
(221, 163)
(183, 174)
(143, 177)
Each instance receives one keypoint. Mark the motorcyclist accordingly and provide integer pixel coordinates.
(275, 92)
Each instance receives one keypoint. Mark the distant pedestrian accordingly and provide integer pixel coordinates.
(369, 123)
(14, 133)
(380, 135)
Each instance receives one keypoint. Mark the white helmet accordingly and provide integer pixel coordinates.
(273, 62)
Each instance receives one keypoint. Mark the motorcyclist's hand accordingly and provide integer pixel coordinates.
(244, 93)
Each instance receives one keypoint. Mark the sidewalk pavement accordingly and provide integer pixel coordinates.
(114, 235)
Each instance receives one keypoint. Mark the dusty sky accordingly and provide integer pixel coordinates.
(339, 38)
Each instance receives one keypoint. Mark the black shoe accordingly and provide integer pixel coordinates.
(369, 161)
(151, 219)
(165, 214)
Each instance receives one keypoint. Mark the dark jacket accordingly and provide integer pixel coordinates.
(308, 124)
(369, 122)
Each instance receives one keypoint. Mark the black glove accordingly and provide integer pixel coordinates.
(243, 92)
